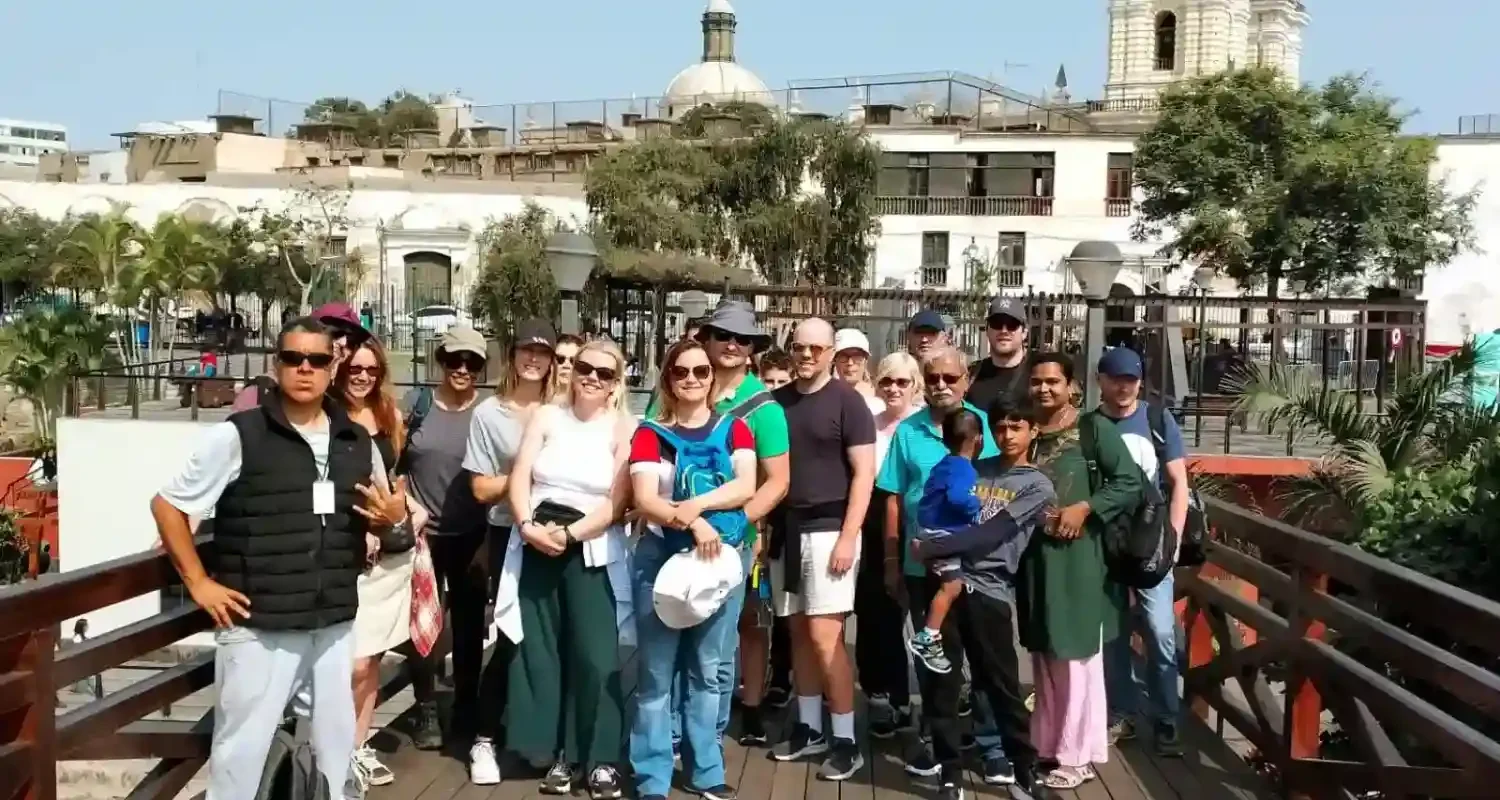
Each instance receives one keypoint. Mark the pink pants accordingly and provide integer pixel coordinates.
(1071, 721)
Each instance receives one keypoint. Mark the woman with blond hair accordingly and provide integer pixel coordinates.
(383, 621)
(880, 650)
(495, 434)
(565, 594)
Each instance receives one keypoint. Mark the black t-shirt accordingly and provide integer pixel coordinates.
(821, 427)
(987, 382)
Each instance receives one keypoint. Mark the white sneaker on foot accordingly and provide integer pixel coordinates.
(484, 770)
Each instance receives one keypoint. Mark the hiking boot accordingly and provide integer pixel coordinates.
(803, 743)
(928, 648)
(484, 770)
(843, 761)
(428, 734)
(604, 783)
(1168, 741)
(558, 780)
(1121, 730)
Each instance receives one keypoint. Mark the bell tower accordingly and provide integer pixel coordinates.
(1154, 43)
(718, 31)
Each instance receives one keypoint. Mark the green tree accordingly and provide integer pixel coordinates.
(749, 118)
(1262, 180)
(179, 257)
(306, 236)
(796, 201)
(379, 126)
(40, 350)
(29, 245)
(514, 281)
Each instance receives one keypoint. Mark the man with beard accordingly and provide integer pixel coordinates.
(1004, 372)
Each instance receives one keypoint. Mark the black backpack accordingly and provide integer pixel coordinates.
(1191, 552)
(421, 406)
(1140, 545)
(291, 771)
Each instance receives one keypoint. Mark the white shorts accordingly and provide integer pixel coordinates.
(820, 592)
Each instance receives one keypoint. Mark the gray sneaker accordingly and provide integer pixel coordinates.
(1121, 730)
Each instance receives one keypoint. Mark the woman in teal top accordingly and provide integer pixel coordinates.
(1066, 605)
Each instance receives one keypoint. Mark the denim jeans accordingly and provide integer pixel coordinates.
(728, 669)
(703, 649)
(1155, 618)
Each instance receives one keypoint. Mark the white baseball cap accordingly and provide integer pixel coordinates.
(851, 339)
(689, 589)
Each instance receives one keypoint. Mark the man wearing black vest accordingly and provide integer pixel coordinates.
(283, 482)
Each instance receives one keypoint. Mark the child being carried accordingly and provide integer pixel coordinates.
(949, 503)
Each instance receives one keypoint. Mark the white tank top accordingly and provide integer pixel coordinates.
(576, 465)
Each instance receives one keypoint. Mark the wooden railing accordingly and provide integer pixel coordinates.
(1284, 625)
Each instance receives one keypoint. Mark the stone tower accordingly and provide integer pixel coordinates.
(718, 31)
(1153, 43)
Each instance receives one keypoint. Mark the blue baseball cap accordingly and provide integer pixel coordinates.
(927, 318)
(1122, 362)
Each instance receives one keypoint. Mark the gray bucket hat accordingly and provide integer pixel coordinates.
(738, 319)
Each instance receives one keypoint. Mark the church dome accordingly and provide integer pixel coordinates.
(713, 83)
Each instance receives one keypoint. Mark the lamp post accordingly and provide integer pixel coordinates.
(1094, 265)
(694, 304)
(1203, 278)
(571, 257)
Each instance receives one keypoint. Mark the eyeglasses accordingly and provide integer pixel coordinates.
(814, 350)
(456, 361)
(899, 383)
(725, 336)
(702, 372)
(935, 378)
(1005, 324)
(562, 360)
(604, 374)
(359, 369)
(295, 358)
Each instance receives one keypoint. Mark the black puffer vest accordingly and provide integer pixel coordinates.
(299, 569)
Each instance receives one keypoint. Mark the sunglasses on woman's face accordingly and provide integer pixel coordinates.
(899, 383)
(702, 372)
(563, 360)
(469, 361)
(604, 374)
(359, 369)
(296, 358)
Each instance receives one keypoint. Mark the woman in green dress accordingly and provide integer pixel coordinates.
(1067, 606)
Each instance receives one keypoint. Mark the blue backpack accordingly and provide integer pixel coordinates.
(701, 467)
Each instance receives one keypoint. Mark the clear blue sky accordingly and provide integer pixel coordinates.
(99, 67)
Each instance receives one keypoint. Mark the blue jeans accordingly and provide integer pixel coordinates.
(728, 668)
(703, 649)
(1155, 618)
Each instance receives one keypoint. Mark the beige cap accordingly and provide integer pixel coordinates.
(464, 339)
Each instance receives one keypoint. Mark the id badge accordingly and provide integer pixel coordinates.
(323, 497)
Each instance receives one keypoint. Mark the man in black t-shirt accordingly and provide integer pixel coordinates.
(832, 457)
(1004, 371)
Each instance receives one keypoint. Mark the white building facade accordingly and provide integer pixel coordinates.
(24, 142)
(1153, 43)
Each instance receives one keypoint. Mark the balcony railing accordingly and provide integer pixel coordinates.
(1117, 206)
(965, 206)
(935, 275)
(1010, 278)
(1123, 104)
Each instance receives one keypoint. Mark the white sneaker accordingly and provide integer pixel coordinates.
(369, 766)
(483, 769)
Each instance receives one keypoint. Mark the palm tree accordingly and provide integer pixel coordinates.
(99, 251)
(1430, 422)
(179, 256)
(41, 350)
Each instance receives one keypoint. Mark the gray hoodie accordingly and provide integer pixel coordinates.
(1014, 502)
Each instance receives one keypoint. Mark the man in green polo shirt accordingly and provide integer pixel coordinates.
(730, 336)
(916, 447)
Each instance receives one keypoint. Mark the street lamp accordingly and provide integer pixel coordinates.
(1094, 265)
(571, 257)
(1203, 280)
(694, 304)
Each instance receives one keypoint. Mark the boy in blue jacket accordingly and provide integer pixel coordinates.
(949, 503)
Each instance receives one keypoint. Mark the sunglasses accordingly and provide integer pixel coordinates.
(814, 350)
(604, 374)
(1004, 324)
(467, 361)
(935, 378)
(725, 336)
(562, 359)
(358, 369)
(899, 383)
(702, 372)
(295, 358)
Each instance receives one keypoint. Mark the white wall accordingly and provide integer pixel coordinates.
(108, 471)
(1463, 297)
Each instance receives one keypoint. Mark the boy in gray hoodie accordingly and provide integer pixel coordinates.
(1015, 497)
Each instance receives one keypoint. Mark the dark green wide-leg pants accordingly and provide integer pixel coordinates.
(565, 694)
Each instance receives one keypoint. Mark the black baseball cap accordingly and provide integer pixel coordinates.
(535, 332)
(1007, 308)
(929, 319)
